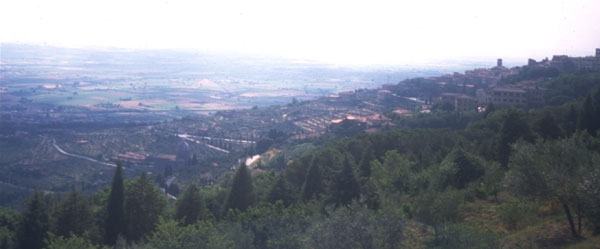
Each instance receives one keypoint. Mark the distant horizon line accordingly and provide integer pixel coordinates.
(440, 61)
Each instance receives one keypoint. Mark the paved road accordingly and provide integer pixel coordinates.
(80, 156)
(170, 180)
(227, 139)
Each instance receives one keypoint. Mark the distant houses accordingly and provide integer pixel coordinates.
(490, 90)
(460, 102)
(524, 95)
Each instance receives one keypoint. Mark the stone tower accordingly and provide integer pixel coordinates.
(499, 63)
(598, 52)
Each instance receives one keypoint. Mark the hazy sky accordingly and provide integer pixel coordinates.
(346, 31)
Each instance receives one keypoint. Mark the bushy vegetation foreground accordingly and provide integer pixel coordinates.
(510, 179)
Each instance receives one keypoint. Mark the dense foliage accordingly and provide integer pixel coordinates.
(406, 187)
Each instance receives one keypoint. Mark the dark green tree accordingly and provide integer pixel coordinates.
(168, 170)
(297, 170)
(189, 208)
(596, 111)
(9, 223)
(571, 121)
(435, 208)
(585, 120)
(458, 169)
(369, 195)
(73, 216)
(345, 187)
(173, 189)
(241, 196)
(313, 184)
(72, 242)
(34, 224)
(391, 177)
(513, 128)
(364, 166)
(144, 204)
(171, 235)
(345, 228)
(546, 126)
(280, 190)
(278, 163)
(356, 148)
(113, 225)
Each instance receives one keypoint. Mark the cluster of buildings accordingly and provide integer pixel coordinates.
(499, 96)
(504, 96)
(521, 94)
(566, 63)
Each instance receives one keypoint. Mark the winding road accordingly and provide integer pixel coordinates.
(79, 156)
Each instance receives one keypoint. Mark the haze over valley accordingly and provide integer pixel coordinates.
(305, 124)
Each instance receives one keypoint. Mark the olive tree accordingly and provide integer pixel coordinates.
(550, 170)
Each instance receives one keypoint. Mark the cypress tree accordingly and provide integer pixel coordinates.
(585, 120)
(546, 126)
(313, 183)
(280, 191)
(9, 220)
(571, 120)
(241, 195)
(467, 168)
(114, 219)
(34, 225)
(345, 187)
(73, 215)
(364, 167)
(143, 205)
(189, 207)
(513, 127)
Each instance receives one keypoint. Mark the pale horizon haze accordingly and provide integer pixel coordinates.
(345, 32)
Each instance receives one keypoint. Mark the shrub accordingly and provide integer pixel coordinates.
(514, 215)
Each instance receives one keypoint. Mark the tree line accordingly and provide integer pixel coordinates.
(364, 191)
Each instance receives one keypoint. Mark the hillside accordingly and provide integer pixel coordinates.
(417, 164)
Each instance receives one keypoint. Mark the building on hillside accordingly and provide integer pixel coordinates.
(535, 97)
(524, 94)
(461, 102)
(569, 64)
(598, 52)
(531, 62)
(507, 96)
(481, 96)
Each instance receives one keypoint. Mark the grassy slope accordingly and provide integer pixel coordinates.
(548, 230)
